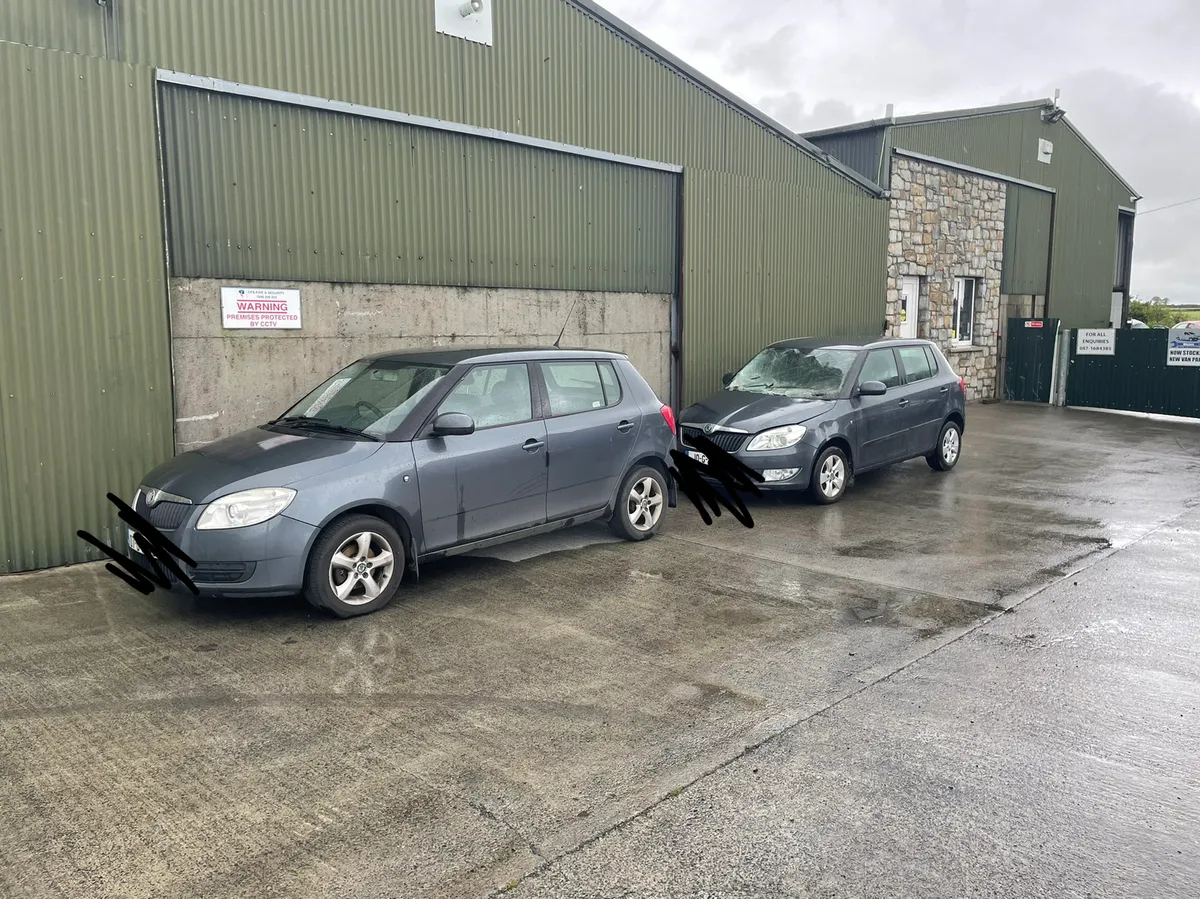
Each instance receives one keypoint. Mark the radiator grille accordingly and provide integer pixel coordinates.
(731, 443)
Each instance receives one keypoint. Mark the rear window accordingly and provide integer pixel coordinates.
(932, 356)
(915, 362)
(573, 387)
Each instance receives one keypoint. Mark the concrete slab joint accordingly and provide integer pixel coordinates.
(943, 225)
(230, 380)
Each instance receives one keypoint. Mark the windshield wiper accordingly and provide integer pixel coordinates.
(323, 424)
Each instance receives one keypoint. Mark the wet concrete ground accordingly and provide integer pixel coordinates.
(833, 704)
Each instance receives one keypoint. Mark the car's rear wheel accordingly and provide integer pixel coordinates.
(949, 448)
(640, 504)
(355, 566)
(830, 476)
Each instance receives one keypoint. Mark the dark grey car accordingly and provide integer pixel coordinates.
(809, 414)
(403, 458)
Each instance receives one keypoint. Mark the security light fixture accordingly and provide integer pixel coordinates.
(471, 8)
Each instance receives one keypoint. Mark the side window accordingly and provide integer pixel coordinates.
(612, 387)
(915, 362)
(881, 366)
(493, 395)
(573, 387)
(933, 363)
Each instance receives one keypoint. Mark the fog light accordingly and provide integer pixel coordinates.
(780, 474)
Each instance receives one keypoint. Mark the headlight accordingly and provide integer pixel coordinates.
(240, 510)
(777, 438)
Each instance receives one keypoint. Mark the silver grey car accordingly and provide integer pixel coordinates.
(400, 459)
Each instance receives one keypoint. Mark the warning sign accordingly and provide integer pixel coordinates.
(259, 307)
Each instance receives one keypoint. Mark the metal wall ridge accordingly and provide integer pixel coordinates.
(995, 176)
(291, 98)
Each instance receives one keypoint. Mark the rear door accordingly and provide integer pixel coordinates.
(881, 424)
(927, 397)
(493, 481)
(592, 423)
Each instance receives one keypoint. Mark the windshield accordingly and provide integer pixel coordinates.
(373, 397)
(798, 372)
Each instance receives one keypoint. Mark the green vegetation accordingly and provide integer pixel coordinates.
(1157, 313)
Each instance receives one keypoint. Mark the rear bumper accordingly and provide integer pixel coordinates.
(263, 560)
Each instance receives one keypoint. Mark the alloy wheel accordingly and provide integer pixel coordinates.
(950, 446)
(361, 568)
(645, 504)
(833, 476)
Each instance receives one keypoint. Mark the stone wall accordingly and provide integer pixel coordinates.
(943, 225)
(229, 380)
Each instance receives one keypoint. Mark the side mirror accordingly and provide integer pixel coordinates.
(872, 388)
(453, 424)
(727, 379)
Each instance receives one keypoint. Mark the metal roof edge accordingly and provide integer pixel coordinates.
(623, 29)
(923, 117)
(1108, 165)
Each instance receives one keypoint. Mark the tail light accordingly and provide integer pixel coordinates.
(669, 417)
(962, 385)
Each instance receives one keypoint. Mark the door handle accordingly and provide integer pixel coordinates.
(903, 403)
(532, 446)
(625, 427)
(944, 390)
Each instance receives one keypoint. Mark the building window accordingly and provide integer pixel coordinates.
(963, 326)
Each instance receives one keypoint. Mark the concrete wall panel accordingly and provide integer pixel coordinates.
(229, 380)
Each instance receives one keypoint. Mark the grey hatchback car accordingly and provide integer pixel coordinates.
(402, 458)
(809, 414)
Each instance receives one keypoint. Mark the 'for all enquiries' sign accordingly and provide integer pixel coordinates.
(1096, 342)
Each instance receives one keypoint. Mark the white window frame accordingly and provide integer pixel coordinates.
(960, 289)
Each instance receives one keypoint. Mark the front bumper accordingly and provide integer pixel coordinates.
(800, 457)
(265, 559)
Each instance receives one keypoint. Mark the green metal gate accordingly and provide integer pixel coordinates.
(1029, 359)
(1136, 378)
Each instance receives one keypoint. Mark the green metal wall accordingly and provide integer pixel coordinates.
(1026, 241)
(77, 27)
(84, 357)
(801, 260)
(260, 190)
(1085, 218)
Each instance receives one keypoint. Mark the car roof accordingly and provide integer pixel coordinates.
(454, 355)
(851, 343)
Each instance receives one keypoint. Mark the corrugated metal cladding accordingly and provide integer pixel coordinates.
(84, 353)
(1026, 241)
(265, 191)
(554, 72)
(76, 27)
(802, 260)
(860, 150)
(1085, 217)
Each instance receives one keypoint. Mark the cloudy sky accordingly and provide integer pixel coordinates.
(1129, 72)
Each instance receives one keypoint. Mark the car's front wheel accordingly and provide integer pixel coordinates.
(945, 456)
(640, 504)
(830, 476)
(355, 566)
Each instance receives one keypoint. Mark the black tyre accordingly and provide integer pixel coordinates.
(355, 566)
(640, 504)
(949, 448)
(830, 476)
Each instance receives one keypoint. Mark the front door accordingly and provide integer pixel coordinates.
(493, 481)
(881, 421)
(591, 427)
(910, 292)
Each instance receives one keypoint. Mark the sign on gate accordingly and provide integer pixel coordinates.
(1096, 342)
(1183, 344)
(257, 307)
